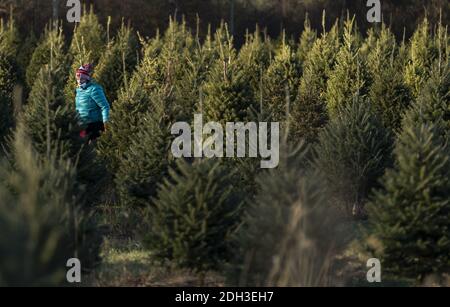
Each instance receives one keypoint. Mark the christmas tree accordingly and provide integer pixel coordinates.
(283, 241)
(147, 159)
(87, 46)
(228, 96)
(117, 63)
(52, 124)
(88, 35)
(433, 104)
(194, 215)
(9, 75)
(409, 214)
(306, 42)
(422, 53)
(41, 222)
(388, 93)
(51, 46)
(352, 153)
(309, 114)
(256, 55)
(349, 78)
(281, 81)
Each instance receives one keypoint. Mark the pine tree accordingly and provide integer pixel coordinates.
(309, 114)
(117, 63)
(147, 159)
(352, 153)
(349, 78)
(131, 104)
(52, 124)
(87, 46)
(10, 43)
(422, 53)
(41, 222)
(88, 35)
(255, 56)
(170, 67)
(282, 241)
(194, 215)
(281, 81)
(306, 43)
(9, 75)
(51, 46)
(228, 96)
(409, 214)
(433, 104)
(6, 103)
(388, 92)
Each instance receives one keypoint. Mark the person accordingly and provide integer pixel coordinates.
(91, 104)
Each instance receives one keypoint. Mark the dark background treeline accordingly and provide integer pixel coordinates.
(274, 15)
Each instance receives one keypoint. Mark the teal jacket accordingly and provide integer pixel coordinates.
(91, 104)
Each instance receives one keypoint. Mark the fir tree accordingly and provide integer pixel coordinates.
(388, 93)
(194, 215)
(7, 81)
(168, 68)
(422, 53)
(131, 104)
(282, 241)
(256, 55)
(117, 63)
(409, 214)
(349, 78)
(9, 74)
(52, 124)
(352, 153)
(88, 35)
(41, 222)
(281, 81)
(309, 114)
(433, 104)
(147, 159)
(306, 43)
(51, 46)
(228, 96)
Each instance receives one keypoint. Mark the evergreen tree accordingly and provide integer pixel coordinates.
(306, 42)
(352, 153)
(228, 96)
(147, 159)
(7, 82)
(9, 74)
(388, 93)
(349, 78)
(282, 241)
(52, 124)
(88, 35)
(194, 216)
(9, 38)
(117, 63)
(51, 46)
(281, 81)
(256, 55)
(87, 46)
(41, 222)
(433, 104)
(309, 114)
(422, 53)
(409, 214)
(169, 69)
(131, 104)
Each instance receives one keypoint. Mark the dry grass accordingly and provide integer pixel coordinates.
(126, 264)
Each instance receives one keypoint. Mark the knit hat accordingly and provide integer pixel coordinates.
(84, 72)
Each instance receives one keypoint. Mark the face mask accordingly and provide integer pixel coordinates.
(84, 85)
